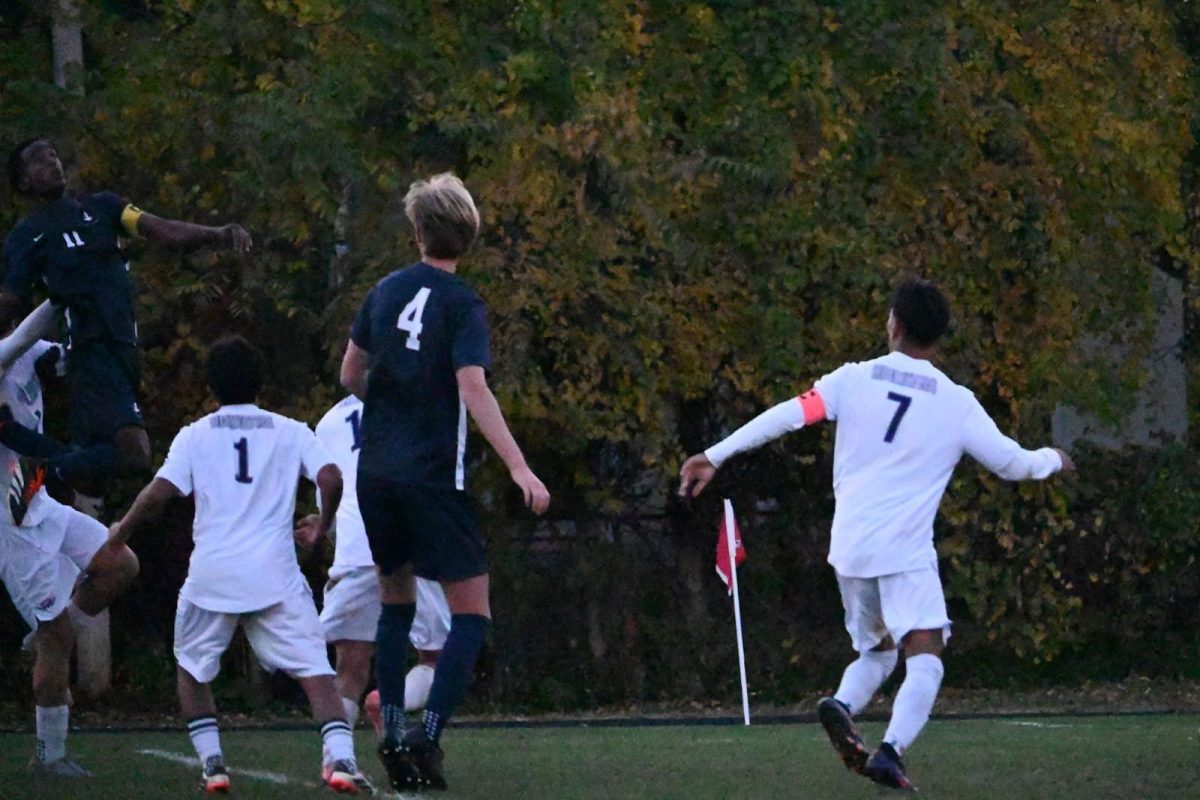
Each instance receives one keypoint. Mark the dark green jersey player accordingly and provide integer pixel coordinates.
(69, 248)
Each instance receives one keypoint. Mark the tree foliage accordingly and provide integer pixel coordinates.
(690, 210)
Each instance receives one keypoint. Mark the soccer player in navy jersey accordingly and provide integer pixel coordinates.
(71, 247)
(418, 356)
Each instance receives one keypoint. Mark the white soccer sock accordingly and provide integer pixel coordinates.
(863, 677)
(914, 701)
(52, 724)
(417, 684)
(338, 741)
(350, 707)
(205, 736)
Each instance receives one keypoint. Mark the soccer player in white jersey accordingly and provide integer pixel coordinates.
(902, 427)
(352, 595)
(44, 548)
(242, 464)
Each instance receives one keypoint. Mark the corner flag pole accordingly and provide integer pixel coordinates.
(730, 542)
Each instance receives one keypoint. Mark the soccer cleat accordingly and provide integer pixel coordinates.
(344, 777)
(62, 768)
(214, 779)
(843, 735)
(401, 771)
(426, 756)
(371, 706)
(886, 768)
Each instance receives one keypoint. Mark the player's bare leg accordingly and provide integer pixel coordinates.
(911, 708)
(52, 644)
(200, 711)
(108, 574)
(353, 660)
(340, 769)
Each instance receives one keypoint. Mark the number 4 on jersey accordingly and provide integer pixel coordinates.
(410, 318)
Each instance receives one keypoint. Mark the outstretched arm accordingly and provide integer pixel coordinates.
(481, 403)
(184, 235)
(788, 416)
(38, 325)
(355, 365)
(145, 510)
(1003, 456)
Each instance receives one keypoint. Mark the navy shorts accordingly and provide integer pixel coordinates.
(434, 528)
(103, 380)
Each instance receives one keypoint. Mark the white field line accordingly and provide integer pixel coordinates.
(254, 774)
(1032, 724)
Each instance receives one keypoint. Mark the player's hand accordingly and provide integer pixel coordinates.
(694, 475)
(236, 238)
(309, 531)
(537, 497)
(1067, 464)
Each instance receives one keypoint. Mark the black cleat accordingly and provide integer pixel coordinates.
(844, 737)
(426, 757)
(886, 768)
(401, 771)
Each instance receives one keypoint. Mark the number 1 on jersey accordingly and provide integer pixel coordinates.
(410, 318)
(243, 473)
(905, 401)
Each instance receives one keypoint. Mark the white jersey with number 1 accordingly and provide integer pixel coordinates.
(339, 431)
(243, 465)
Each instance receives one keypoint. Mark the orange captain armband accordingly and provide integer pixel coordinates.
(129, 219)
(813, 405)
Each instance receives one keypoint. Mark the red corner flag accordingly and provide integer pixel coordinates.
(723, 571)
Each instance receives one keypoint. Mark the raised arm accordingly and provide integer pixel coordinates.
(984, 442)
(788, 416)
(482, 405)
(38, 325)
(145, 509)
(175, 233)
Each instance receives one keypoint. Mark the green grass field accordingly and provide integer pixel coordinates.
(1059, 758)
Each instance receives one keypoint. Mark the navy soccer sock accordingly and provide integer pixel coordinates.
(391, 657)
(28, 442)
(455, 667)
(93, 465)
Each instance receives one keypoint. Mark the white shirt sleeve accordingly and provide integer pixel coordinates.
(830, 388)
(177, 469)
(1000, 454)
(771, 424)
(313, 454)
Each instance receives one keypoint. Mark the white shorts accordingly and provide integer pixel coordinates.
(285, 636)
(40, 563)
(352, 607)
(893, 605)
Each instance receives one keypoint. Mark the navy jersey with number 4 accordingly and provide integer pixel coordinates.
(72, 247)
(420, 325)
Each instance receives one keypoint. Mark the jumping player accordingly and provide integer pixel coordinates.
(350, 615)
(902, 428)
(71, 246)
(241, 463)
(418, 356)
(45, 550)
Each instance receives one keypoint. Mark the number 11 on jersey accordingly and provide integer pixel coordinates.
(410, 318)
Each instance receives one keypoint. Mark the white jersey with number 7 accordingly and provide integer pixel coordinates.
(902, 426)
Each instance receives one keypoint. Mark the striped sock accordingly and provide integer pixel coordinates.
(205, 736)
(338, 741)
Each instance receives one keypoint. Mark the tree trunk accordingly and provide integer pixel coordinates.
(67, 39)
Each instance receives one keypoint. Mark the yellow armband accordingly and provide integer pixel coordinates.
(129, 219)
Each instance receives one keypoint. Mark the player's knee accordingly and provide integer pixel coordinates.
(923, 641)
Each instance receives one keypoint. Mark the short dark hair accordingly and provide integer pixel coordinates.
(235, 371)
(922, 309)
(16, 164)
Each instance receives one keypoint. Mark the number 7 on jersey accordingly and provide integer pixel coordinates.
(410, 318)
